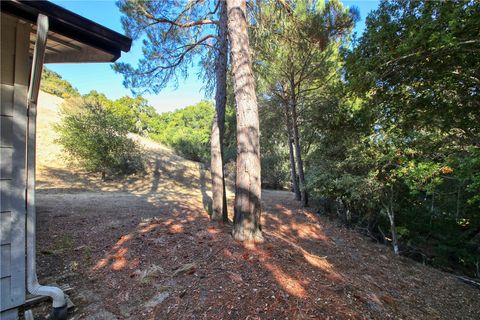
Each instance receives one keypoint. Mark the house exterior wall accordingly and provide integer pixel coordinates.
(15, 67)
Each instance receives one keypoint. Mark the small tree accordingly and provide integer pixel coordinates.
(187, 130)
(97, 138)
(292, 40)
(136, 112)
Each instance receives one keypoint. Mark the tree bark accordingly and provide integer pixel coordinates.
(298, 149)
(247, 210)
(293, 171)
(219, 196)
(393, 229)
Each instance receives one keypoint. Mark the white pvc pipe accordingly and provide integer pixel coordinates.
(57, 295)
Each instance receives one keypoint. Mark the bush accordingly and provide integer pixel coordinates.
(97, 138)
(187, 130)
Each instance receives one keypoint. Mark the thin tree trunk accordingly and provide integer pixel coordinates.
(457, 215)
(246, 221)
(298, 149)
(219, 196)
(393, 229)
(391, 217)
(293, 171)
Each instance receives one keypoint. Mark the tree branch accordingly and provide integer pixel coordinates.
(175, 22)
(184, 53)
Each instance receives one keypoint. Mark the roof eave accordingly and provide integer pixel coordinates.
(71, 25)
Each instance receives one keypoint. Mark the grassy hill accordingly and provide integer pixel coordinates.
(54, 171)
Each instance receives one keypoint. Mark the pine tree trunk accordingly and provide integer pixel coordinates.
(246, 221)
(298, 152)
(219, 196)
(293, 171)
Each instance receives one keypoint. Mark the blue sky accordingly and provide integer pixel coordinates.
(101, 77)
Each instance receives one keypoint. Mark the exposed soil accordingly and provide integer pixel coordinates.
(144, 248)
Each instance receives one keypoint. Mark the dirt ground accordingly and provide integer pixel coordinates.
(144, 248)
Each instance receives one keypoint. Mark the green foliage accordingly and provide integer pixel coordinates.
(171, 41)
(136, 114)
(296, 51)
(187, 130)
(413, 137)
(53, 83)
(391, 121)
(275, 170)
(274, 151)
(230, 135)
(419, 62)
(97, 138)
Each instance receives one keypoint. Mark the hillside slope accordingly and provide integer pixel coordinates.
(55, 172)
(143, 248)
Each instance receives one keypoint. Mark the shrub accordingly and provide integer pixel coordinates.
(97, 138)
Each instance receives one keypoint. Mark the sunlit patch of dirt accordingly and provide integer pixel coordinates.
(167, 261)
(176, 228)
(120, 261)
(288, 283)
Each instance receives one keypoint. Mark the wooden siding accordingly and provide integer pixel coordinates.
(14, 73)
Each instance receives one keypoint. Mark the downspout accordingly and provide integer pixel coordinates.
(57, 295)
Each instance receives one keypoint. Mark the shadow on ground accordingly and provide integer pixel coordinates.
(145, 249)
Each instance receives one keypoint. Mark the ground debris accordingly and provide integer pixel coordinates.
(187, 268)
(156, 300)
(146, 249)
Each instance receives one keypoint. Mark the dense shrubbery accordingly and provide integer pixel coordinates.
(53, 83)
(97, 138)
(136, 114)
(393, 136)
(416, 130)
(274, 150)
(187, 130)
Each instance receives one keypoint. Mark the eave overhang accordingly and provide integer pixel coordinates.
(72, 38)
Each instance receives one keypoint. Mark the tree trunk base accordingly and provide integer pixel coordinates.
(220, 221)
(240, 233)
(216, 217)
